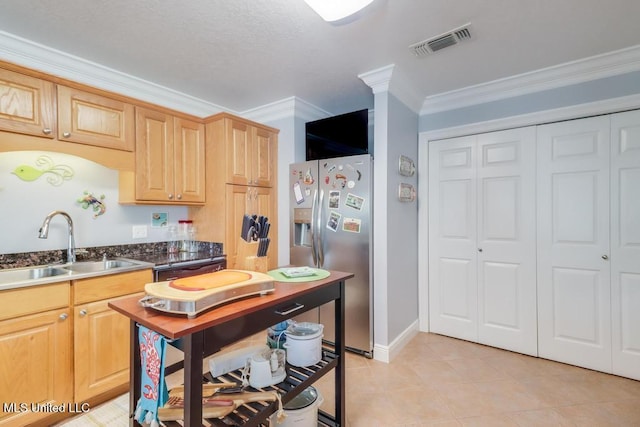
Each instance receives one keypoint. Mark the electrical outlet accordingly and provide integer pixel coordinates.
(139, 231)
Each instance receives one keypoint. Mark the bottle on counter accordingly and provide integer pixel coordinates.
(185, 229)
(173, 244)
(193, 242)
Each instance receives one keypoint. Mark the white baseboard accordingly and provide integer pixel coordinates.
(383, 353)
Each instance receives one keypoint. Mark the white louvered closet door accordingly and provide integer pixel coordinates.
(574, 292)
(625, 243)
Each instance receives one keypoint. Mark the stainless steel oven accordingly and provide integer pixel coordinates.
(188, 268)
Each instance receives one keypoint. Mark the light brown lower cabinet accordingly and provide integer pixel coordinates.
(100, 335)
(61, 346)
(36, 367)
(101, 349)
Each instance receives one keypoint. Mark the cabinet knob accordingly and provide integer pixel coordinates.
(63, 316)
(46, 131)
(170, 196)
(479, 249)
(83, 313)
(179, 197)
(66, 134)
(605, 257)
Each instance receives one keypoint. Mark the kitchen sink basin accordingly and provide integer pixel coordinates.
(42, 274)
(22, 274)
(93, 266)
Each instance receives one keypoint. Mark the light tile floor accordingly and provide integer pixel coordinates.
(441, 381)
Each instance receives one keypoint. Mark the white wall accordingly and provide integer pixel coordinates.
(24, 205)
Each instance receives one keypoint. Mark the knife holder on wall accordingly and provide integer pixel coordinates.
(247, 258)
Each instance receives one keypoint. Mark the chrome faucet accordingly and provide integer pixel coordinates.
(44, 232)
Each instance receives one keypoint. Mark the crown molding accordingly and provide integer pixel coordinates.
(286, 108)
(33, 55)
(380, 80)
(596, 67)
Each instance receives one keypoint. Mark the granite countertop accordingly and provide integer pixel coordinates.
(155, 253)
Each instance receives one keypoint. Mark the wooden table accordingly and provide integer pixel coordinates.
(225, 324)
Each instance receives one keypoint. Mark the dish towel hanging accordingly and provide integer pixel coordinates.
(153, 393)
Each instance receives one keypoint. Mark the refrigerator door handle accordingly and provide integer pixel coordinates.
(320, 246)
(313, 229)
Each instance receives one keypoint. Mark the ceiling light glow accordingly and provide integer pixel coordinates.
(335, 10)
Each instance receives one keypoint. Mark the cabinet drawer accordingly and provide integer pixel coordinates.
(251, 323)
(36, 299)
(103, 287)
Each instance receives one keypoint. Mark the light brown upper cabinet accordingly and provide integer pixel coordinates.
(88, 118)
(26, 104)
(248, 150)
(241, 179)
(170, 162)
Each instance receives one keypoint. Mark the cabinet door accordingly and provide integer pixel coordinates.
(574, 300)
(27, 104)
(263, 153)
(87, 118)
(625, 243)
(35, 364)
(239, 152)
(189, 161)
(453, 297)
(241, 200)
(506, 241)
(154, 156)
(264, 204)
(101, 343)
(237, 204)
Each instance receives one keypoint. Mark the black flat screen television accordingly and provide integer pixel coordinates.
(338, 136)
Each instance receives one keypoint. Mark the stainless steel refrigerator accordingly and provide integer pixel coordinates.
(331, 217)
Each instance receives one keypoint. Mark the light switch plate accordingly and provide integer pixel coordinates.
(139, 231)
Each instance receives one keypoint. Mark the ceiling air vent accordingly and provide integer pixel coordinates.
(441, 41)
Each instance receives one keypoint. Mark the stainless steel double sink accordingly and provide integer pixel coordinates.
(27, 276)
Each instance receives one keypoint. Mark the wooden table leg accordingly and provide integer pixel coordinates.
(340, 351)
(193, 355)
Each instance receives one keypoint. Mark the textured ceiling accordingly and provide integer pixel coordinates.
(241, 54)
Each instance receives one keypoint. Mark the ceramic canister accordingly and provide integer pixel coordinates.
(304, 343)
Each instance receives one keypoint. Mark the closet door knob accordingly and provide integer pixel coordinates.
(605, 257)
(479, 249)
